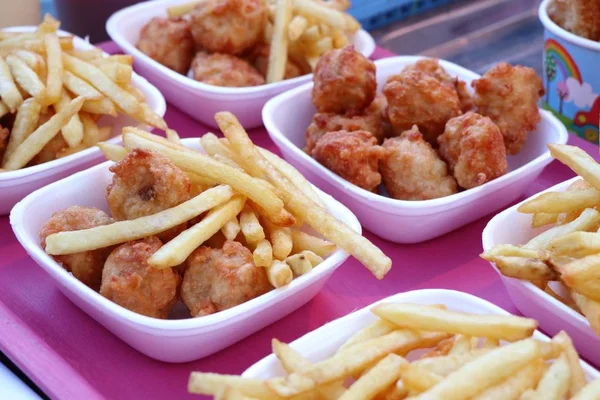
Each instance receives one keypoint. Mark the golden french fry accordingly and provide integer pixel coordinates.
(278, 54)
(525, 379)
(323, 45)
(590, 392)
(26, 121)
(48, 25)
(576, 244)
(296, 27)
(281, 239)
(42, 135)
(590, 308)
(419, 379)
(134, 91)
(490, 343)
(80, 87)
(120, 73)
(462, 344)
(376, 329)
(148, 116)
(26, 78)
(299, 264)
(102, 106)
(54, 69)
(231, 229)
(579, 161)
(312, 258)
(91, 134)
(555, 382)
(327, 15)
(112, 152)
(588, 220)
(509, 250)
(383, 374)
(173, 136)
(530, 269)
(212, 145)
(279, 274)
(542, 219)
(423, 317)
(34, 60)
(73, 131)
(340, 40)
(304, 241)
(578, 380)
(178, 10)
(9, 92)
(115, 58)
(582, 275)
(311, 34)
(86, 55)
(178, 249)
(446, 364)
(251, 227)
(263, 254)
(212, 384)
(557, 202)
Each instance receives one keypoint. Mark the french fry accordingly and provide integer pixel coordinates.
(226, 160)
(73, 131)
(421, 317)
(263, 254)
(383, 374)
(102, 106)
(26, 121)
(542, 219)
(509, 250)
(123, 231)
(9, 93)
(462, 344)
(231, 229)
(54, 69)
(80, 87)
(172, 136)
(3, 109)
(120, 73)
(134, 91)
(251, 227)
(91, 133)
(579, 161)
(590, 392)
(530, 269)
(557, 202)
(212, 384)
(299, 264)
(304, 241)
(181, 9)
(555, 382)
(311, 34)
(327, 15)
(296, 27)
(376, 329)
(312, 258)
(147, 116)
(112, 152)
(233, 394)
(578, 380)
(48, 25)
(576, 244)
(34, 60)
(278, 53)
(323, 45)
(115, 58)
(445, 365)
(281, 239)
(340, 40)
(590, 308)
(582, 275)
(86, 55)
(525, 379)
(418, 379)
(26, 78)
(490, 343)
(588, 220)
(279, 274)
(42, 135)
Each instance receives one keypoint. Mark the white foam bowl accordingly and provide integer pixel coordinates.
(287, 116)
(324, 341)
(512, 227)
(15, 185)
(166, 340)
(200, 100)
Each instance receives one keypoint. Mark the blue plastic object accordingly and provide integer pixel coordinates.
(378, 13)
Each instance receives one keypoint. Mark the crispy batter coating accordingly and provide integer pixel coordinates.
(218, 279)
(509, 95)
(417, 98)
(352, 155)
(259, 58)
(168, 41)
(50, 151)
(228, 26)
(130, 282)
(225, 70)
(86, 265)
(581, 17)
(344, 82)
(144, 183)
(473, 147)
(412, 170)
(4, 134)
(432, 67)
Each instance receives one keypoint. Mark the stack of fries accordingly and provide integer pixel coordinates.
(467, 361)
(50, 87)
(302, 30)
(564, 261)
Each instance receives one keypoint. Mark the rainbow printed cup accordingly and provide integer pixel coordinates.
(571, 78)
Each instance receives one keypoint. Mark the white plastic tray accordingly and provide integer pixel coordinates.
(167, 340)
(197, 99)
(287, 116)
(15, 185)
(512, 227)
(324, 341)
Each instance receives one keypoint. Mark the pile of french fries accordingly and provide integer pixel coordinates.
(50, 87)
(302, 30)
(471, 356)
(564, 261)
(249, 193)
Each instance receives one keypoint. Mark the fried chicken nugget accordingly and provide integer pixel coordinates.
(473, 147)
(417, 98)
(228, 26)
(131, 282)
(352, 155)
(225, 70)
(412, 170)
(168, 41)
(432, 67)
(509, 95)
(144, 183)
(344, 82)
(581, 17)
(86, 265)
(218, 279)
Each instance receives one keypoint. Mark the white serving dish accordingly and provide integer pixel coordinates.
(15, 185)
(512, 227)
(166, 340)
(197, 99)
(287, 116)
(324, 341)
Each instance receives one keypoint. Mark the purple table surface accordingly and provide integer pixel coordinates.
(69, 355)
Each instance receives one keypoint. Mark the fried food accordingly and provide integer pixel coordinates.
(86, 265)
(50, 151)
(509, 95)
(144, 183)
(225, 70)
(432, 67)
(412, 170)
(259, 58)
(418, 98)
(218, 279)
(344, 82)
(4, 133)
(228, 26)
(581, 17)
(473, 147)
(352, 155)
(129, 281)
(168, 41)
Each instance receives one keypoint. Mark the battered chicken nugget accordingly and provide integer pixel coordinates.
(86, 265)
(218, 279)
(228, 26)
(432, 67)
(225, 70)
(131, 282)
(473, 147)
(352, 155)
(259, 58)
(168, 41)
(509, 95)
(50, 151)
(412, 170)
(144, 183)
(417, 98)
(581, 17)
(344, 82)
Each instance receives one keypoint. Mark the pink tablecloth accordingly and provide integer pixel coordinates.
(69, 355)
